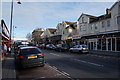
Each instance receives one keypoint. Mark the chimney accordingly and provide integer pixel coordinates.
(108, 11)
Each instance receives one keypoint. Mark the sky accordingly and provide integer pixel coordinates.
(30, 15)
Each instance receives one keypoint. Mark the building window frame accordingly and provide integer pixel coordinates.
(103, 24)
(96, 26)
(118, 20)
(108, 23)
(82, 19)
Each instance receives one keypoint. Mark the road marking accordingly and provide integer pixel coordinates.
(54, 67)
(65, 74)
(88, 62)
(54, 54)
(42, 77)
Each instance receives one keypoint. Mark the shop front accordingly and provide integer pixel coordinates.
(5, 39)
(104, 42)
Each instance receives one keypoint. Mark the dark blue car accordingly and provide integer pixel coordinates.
(29, 56)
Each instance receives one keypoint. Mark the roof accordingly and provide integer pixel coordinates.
(52, 30)
(86, 15)
(70, 22)
(99, 18)
(72, 26)
(115, 4)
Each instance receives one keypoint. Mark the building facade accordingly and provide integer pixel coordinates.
(5, 38)
(36, 36)
(102, 32)
(48, 34)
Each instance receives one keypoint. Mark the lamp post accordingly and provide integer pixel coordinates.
(11, 20)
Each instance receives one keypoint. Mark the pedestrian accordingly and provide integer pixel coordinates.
(5, 49)
(9, 49)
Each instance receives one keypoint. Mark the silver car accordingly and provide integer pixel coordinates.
(79, 48)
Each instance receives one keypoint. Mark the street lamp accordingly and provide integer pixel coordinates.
(11, 20)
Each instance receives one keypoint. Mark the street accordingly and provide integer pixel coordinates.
(73, 65)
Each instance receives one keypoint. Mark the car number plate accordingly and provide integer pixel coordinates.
(30, 57)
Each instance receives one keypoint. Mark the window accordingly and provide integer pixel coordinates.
(82, 28)
(92, 27)
(82, 19)
(108, 23)
(99, 44)
(96, 27)
(118, 42)
(118, 20)
(109, 44)
(113, 44)
(103, 24)
(103, 44)
(119, 9)
(30, 51)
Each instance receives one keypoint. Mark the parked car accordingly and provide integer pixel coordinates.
(18, 47)
(29, 56)
(62, 47)
(40, 46)
(50, 46)
(79, 48)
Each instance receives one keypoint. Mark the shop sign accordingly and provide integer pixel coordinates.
(5, 30)
(69, 38)
(76, 37)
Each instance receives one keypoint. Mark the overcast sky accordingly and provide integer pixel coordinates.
(31, 15)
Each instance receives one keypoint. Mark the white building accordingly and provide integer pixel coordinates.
(102, 32)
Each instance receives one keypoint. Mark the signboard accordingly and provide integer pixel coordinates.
(5, 30)
(74, 37)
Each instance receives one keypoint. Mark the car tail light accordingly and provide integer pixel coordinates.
(21, 57)
(41, 54)
(61, 47)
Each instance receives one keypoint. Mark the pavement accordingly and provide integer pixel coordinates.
(9, 71)
(8, 67)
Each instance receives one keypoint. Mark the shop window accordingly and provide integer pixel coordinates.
(113, 44)
(103, 44)
(99, 44)
(91, 45)
(118, 44)
(109, 44)
(95, 45)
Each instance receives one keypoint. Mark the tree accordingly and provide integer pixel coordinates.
(29, 37)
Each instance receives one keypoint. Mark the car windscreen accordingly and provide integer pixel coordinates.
(84, 46)
(30, 51)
